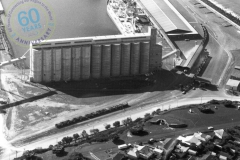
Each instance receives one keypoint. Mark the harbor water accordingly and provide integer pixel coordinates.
(74, 18)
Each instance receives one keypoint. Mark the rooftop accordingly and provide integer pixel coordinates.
(167, 16)
(232, 83)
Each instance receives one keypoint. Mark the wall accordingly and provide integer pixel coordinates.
(94, 57)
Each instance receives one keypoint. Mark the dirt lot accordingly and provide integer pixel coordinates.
(37, 109)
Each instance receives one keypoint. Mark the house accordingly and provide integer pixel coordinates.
(182, 149)
(192, 152)
(123, 146)
(195, 141)
(222, 157)
(233, 85)
(219, 133)
(218, 147)
(202, 137)
(158, 151)
(211, 157)
(213, 154)
(146, 152)
(117, 156)
(133, 154)
(192, 158)
(206, 137)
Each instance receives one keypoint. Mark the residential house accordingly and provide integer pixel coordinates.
(146, 152)
(133, 153)
(192, 152)
(211, 157)
(117, 156)
(224, 156)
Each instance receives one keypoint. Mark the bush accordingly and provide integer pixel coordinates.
(138, 120)
(136, 129)
(213, 101)
(116, 124)
(205, 109)
(107, 126)
(147, 116)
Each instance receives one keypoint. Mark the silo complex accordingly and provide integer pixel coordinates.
(76, 63)
(37, 66)
(94, 57)
(96, 61)
(144, 60)
(66, 63)
(125, 59)
(85, 68)
(47, 65)
(57, 64)
(135, 58)
(106, 60)
(116, 60)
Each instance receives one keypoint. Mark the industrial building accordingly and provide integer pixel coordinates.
(94, 57)
(171, 21)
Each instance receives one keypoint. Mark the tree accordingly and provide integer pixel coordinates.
(147, 116)
(153, 113)
(69, 139)
(136, 129)
(84, 134)
(108, 126)
(129, 120)
(94, 131)
(158, 111)
(124, 122)
(50, 146)
(76, 136)
(115, 137)
(116, 124)
(64, 140)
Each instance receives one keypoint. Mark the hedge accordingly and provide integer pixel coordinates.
(91, 115)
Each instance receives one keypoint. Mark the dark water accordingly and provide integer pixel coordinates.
(76, 18)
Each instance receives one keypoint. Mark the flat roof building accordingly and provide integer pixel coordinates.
(233, 84)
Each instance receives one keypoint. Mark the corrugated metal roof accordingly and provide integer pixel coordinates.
(165, 16)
